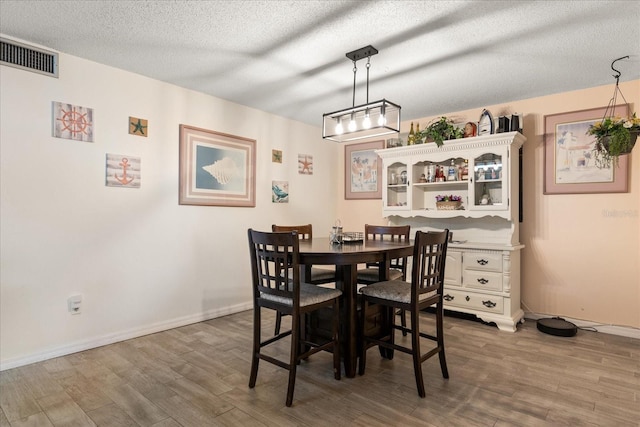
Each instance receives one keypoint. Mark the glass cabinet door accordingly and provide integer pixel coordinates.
(488, 184)
(395, 186)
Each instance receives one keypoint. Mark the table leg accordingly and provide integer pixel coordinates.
(346, 279)
(305, 273)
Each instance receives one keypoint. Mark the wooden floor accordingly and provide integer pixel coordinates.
(197, 375)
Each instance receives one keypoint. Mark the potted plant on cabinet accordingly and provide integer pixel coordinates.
(615, 136)
(439, 130)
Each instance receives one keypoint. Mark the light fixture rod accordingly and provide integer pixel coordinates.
(368, 66)
(355, 70)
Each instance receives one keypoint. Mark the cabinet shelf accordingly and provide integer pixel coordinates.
(489, 180)
(452, 184)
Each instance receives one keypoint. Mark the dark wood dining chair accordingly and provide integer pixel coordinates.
(425, 290)
(276, 285)
(398, 267)
(318, 275)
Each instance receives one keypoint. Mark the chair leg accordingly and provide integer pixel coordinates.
(255, 359)
(440, 337)
(293, 360)
(415, 349)
(336, 341)
(278, 323)
(403, 322)
(363, 340)
(392, 333)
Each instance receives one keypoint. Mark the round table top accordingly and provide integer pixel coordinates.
(322, 251)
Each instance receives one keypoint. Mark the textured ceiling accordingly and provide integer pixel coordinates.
(288, 57)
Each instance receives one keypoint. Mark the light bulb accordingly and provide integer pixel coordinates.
(339, 129)
(382, 120)
(352, 125)
(366, 123)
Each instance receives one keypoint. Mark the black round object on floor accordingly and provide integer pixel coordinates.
(557, 326)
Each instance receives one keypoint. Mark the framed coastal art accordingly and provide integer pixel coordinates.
(122, 171)
(216, 169)
(569, 167)
(363, 171)
(72, 122)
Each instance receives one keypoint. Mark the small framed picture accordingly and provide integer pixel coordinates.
(363, 171)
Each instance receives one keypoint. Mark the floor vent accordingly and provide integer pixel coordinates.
(28, 58)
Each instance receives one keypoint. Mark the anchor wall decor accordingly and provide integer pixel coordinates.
(122, 171)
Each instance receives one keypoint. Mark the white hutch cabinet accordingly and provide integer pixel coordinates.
(482, 276)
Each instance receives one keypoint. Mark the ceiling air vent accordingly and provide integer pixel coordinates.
(28, 58)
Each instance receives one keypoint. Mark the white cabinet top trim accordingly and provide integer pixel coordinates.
(495, 139)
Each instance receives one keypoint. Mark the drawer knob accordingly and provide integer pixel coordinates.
(467, 298)
(448, 297)
(482, 261)
(489, 304)
(483, 281)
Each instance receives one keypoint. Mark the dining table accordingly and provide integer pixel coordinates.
(346, 257)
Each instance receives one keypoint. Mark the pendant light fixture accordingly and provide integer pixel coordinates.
(363, 121)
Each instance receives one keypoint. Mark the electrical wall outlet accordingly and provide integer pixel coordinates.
(74, 304)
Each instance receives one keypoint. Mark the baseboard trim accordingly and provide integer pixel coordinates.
(623, 331)
(122, 336)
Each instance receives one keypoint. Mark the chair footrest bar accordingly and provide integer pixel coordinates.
(315, 349)
(431, 337)
(274, 361)
(429, 353)
(274, 339)
(387, 344)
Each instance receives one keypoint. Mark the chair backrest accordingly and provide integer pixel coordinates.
(396, 233)
(305, 232)
(429, 259)
(274, 264)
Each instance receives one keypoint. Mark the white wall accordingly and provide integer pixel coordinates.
(141, 261)
(582, 251)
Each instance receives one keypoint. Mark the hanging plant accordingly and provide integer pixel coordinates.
(615, 136)
(438, 131)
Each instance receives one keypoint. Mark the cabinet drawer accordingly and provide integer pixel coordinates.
(482, 261)
(488, 280)
(473, 301)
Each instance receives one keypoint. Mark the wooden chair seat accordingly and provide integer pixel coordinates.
(321, 275)
(309, 295)
(394, 290)
(372, 275)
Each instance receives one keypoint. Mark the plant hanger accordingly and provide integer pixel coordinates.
(611, 107)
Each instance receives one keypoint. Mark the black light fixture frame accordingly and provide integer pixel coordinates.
(388, 112)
